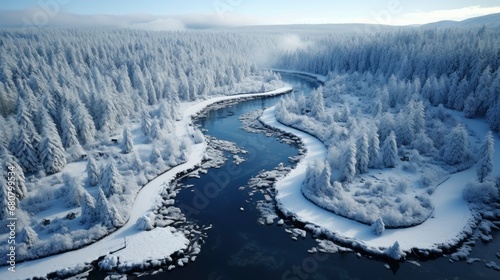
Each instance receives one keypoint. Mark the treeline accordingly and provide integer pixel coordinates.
(457, 68)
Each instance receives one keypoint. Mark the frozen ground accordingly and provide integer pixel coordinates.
(144, 202)
(451, 218)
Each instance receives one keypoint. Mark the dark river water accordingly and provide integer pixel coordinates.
(238, 247)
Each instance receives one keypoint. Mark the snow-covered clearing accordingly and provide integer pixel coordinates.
(450, 220)
(143, 203)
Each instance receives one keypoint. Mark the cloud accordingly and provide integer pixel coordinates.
(166, 24)
(439, 15)
(37, 17)
(292, 42)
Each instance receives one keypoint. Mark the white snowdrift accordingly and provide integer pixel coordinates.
(450, 219)
(144, 202)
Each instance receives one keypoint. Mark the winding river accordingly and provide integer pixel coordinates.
(238, 247)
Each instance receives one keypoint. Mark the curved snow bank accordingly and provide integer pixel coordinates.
(451, 218)
(144, 203)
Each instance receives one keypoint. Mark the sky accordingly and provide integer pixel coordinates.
(170, 14)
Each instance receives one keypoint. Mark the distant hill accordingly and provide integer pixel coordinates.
(337, 28)
(490, 21)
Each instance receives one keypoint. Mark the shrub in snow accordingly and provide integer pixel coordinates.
(423, 143)
(378, 226)
(481, 192)
(485, 163)
(395, 252)
(155, 157)
(146, 222)
(108, 263)
(136, 163)
(73, 191)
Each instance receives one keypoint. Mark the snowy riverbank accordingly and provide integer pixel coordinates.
(145, 200)
(452, 217)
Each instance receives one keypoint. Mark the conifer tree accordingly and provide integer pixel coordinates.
(111, 179)
(349, 163)
(486, 153)
(362, 154)
(457, 146)
(127, 142)
(374, 150)
(390, 151)
(52, 154)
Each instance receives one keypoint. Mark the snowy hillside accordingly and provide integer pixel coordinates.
(489, 21)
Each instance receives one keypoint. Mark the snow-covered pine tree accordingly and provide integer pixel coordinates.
(311, 185)
(493, 116)
(406, 132)
(146, 122)
(457, 145)
(10, 168)
(419, 116)
(362, 154)
(88, 209)
(22, 148)
(111, 180)
(73, 190)
(127, 141)
(136, 163)
(155, 156)
(390, 151)
(69, 136)
(52, 154)
(302, 103)
(349, 163)
(486, 153)
(156, 132)
(92, 172)
(318, 104)
(107, 214)
(28, 236)
(323, 181)
(83, 122)
(374, 150)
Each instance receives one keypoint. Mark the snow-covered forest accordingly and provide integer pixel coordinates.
(387, 113)
(87, 118)
(459, 68)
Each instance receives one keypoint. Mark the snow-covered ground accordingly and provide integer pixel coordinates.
(144, 202)
(450, 219)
